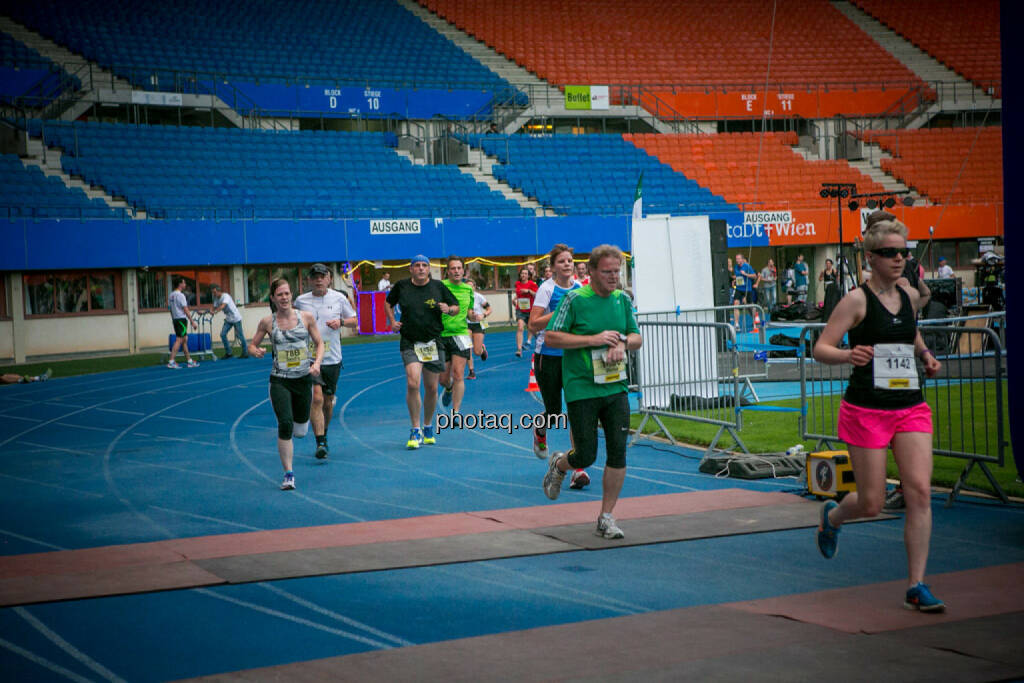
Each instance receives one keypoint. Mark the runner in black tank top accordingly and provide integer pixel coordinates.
(883, 404)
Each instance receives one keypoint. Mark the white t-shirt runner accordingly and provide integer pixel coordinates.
(231, 313)
(333, 305)
(177, 303)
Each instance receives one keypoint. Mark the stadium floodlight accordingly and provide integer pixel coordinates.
(853, 205)
(908, 200)
(872, 203)
(889, 202)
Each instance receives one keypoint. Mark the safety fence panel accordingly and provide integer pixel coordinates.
(966, 397)
(689, 371)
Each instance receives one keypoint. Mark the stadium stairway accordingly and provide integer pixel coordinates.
(545, 98)
(481, 169)
(50, 164)
(968, 97)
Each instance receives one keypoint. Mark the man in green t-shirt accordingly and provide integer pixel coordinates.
(458, 343)
(596, 327)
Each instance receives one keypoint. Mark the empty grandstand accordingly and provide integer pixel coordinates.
(190, 136)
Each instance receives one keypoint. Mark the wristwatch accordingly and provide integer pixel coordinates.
(622, 338)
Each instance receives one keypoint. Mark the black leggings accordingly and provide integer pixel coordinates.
(613, 414)
(291, 398)
(548, 372)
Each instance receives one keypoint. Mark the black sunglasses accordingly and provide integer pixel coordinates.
(892, 252)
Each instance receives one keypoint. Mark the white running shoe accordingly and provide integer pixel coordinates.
(553, 479)
(193, 364)
(289, 482)
(173, 365)
(607, 528)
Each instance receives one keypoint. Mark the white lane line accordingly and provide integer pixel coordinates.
(61, 449)
(177, 439)
(206, 518)
(266, 477)
(334, 615)
(384, 503)
(191, 471)
(599, 597)
(551, 592)
(192, 419)
(45, 663)
(121, 412)
(296, 620)
(26, 419)
(5, 532)
(67, 647)
(52, 486)
(89, 427)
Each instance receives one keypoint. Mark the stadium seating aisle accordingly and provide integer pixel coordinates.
(594, 174)
(965, 41)
(192, 173)
(653, 42)
(932, 161)
(27, 193)
(744, 169)
(315, 41)
(24, 73)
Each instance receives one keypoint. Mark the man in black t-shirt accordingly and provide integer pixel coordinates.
(421, 301)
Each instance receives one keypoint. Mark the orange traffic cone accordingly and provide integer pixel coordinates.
(757, 320)
(532, 386)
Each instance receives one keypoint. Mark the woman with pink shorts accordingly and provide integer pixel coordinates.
(883, 404)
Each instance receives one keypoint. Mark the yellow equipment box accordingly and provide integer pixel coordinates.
(830, 474)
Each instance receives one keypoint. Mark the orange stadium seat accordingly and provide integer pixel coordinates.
(743, 169)
(964, 39)
(949, 165)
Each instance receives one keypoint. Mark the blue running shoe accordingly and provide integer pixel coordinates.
(828, 535)
(415, 439)
(446, 397)
(428, 435)
(920, 598)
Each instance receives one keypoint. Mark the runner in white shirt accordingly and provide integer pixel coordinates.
(331, 309)
(477, 325)
(222, 301)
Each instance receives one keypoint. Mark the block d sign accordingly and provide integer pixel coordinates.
(396, 226)
(586, 97)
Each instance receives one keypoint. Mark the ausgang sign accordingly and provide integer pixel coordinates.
(395, 226)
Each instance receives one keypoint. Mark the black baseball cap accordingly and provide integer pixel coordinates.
(319, 269)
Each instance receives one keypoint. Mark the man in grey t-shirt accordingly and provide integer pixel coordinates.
(222, 301)
(181, 316)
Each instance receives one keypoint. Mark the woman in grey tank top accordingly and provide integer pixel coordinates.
(292, 333)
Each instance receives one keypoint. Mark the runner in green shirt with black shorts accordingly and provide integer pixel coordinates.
(596, 327)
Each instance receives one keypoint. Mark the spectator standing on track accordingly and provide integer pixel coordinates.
(883, 404)
(331, 310)
(767, 294)
(222, 301)
(477, 325)
(181, 316)
(800, 276)
(291, 333)
(526, 290)
(423, 301)
(745, 276)
(458, 343)
(547, 360)
(944, 270)
(596, 328)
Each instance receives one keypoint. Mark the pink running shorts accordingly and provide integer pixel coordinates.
(873, 428)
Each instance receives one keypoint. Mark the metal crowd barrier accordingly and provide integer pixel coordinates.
(689, 370)
(748, 317)
(966, 397)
